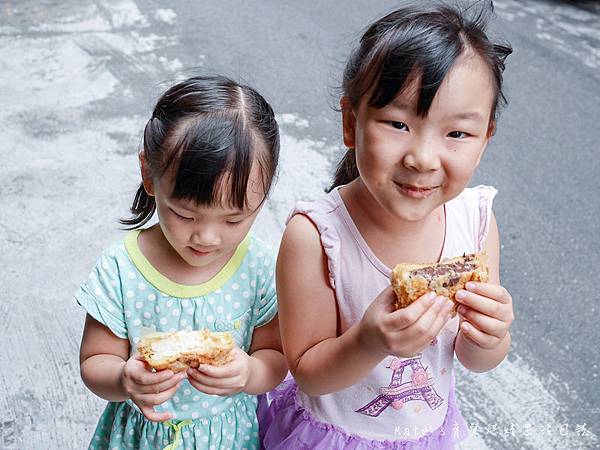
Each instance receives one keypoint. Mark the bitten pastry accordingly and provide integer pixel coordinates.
(410, 281)
(182, 349)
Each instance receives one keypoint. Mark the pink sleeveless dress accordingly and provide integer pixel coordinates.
(404, 403)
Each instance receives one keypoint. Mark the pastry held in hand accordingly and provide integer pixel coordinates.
(410, 281)
(182, 349)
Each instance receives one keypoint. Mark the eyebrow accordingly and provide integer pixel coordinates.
(469, 115)
(237, 212)
(401, 104)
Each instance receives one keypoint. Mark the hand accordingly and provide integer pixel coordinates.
(487, 313)
(407, 331)
(147, 388)
(228, 379)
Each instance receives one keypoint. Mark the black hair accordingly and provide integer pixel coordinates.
(410, 42)
(206, 132)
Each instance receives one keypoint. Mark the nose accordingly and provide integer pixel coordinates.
(423, 155)
(206, 236)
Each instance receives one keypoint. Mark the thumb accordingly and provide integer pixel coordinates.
(386, 299)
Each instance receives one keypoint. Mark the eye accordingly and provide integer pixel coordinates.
(399, 125)
(180, 217)
(234, 222)
(457, 134)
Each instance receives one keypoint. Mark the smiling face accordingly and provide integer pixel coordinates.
(204, 235)
(410, 165)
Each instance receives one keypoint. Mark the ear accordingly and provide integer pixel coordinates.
(348, 122)
(146, 175)
(491, 129)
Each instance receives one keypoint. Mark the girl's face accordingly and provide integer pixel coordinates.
(202, 235)
(411, 165)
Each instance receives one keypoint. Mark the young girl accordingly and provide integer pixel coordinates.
(420, 97)
(209, 155)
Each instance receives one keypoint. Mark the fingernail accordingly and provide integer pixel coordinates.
(461, 295)
(430, 296)
(441, 300)
(448, 306)
(466, 327)
(471, 286)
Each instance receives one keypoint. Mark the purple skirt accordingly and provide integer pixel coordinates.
(284, 424)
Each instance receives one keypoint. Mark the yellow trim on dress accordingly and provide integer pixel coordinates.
(167, 286)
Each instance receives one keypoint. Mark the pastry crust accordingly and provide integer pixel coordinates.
(410, 281)
(182, 349)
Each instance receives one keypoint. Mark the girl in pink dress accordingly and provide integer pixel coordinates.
(419, 105)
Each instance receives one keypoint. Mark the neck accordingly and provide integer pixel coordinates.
(363, 206)
(390, 238)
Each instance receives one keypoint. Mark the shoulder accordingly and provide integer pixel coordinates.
(472, 215)
(475, 203)
(302, 254)
(114, 256)
(476, 194)
(318, 209)
(301, 233)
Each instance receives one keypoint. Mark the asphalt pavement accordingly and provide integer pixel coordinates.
(78, 79)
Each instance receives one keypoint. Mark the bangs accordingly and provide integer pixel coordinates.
(405, 46)
(413, 54)
(211, 159)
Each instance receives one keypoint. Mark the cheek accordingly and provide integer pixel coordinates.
(460, 170)
(375, 161)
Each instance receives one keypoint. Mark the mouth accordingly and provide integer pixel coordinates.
(413, 191)
(200, 252)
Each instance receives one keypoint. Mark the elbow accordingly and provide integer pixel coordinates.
(306, 382)
(306, 386)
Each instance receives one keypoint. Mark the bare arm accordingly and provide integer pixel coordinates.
(482, 351)
(320, 361)
(110, 373)
(102, 357)
(267, 363)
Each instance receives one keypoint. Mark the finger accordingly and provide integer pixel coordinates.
(487, 324)
(146, 377)
(405, 317)
(493, 291)
(477, 337)
(155, 416)
(388, 297)
(226, 371)
(211, 390)
(157, 399)
(164, 385)
(430, 323)
(207, 380)
(140, 358)
(484, 305)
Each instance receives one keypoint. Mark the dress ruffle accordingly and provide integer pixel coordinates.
(286, 424)
(329, 237)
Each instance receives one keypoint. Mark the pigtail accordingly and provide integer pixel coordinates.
(346, 170)
(142, 208)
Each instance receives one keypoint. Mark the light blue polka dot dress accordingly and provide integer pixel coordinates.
(126, 293)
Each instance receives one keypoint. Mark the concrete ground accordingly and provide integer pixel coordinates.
(78, 79)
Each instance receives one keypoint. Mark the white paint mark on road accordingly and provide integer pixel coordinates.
(67, 75)
(165, 15)
(124, 13)
(304, 172)
(292, 119)
(573, 31)
(514, 394)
